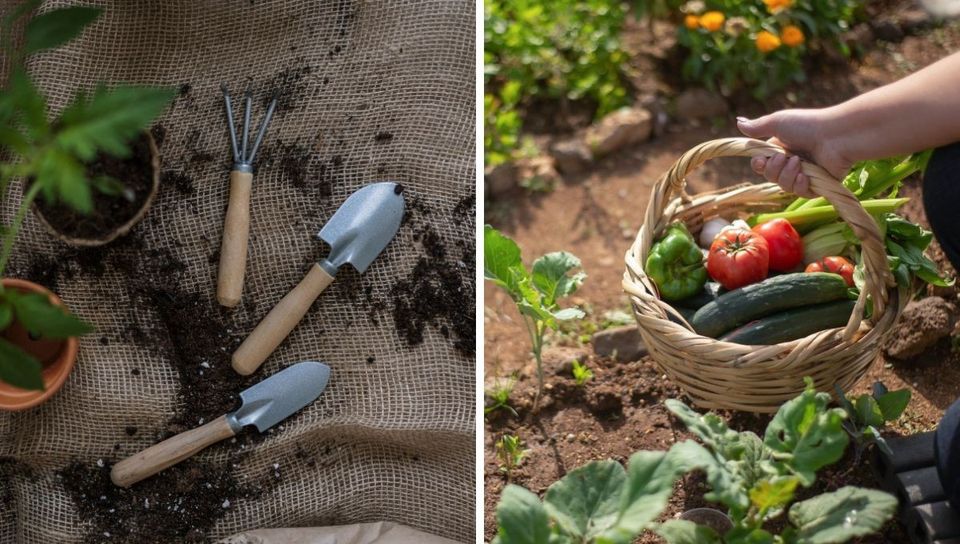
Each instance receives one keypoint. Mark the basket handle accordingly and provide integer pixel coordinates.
(876, 270)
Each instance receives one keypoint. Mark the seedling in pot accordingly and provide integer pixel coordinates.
(50, 155)
(536, 294)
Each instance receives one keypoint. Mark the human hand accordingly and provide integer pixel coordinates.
(801, 133)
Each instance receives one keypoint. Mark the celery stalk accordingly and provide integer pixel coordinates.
(805, 219)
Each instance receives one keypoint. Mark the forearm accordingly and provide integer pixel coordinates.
(921, 111)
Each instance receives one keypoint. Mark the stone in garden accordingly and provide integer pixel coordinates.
(701, 104)
(887, 31)
(618, 130)
(558, 360)
(622, 342)
(500, 179)
(537, 172)
(914, 20)
(572, 156)
(923, 324)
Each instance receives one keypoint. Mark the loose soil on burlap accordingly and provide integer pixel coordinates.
(596, 216)
(197, 335)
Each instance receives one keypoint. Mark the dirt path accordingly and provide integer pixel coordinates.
(595, 216)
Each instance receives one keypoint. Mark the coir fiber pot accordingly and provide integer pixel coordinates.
(57, 356)
(125, 227)
(718, 374)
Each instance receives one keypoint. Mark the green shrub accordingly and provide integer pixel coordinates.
(757, 44)
(565, 49)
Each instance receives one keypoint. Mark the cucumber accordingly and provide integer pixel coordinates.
(792, 324)
(772, 295)
(711, 290)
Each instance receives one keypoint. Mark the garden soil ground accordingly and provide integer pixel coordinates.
(596, 216)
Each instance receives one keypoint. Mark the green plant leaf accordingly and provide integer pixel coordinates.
(774, 493)
(649, 484)
(18, 368)
(868, 411)
(521, 518)
(57, 27)
(23, 99)
(749, 535)
(501, 261)
(586, 501)
(6, 314)
(709, 428)
(109, 119)
(64, 179)
(837, 517)
(681, 531)
(567, 314)
(550, 275)
(806, 435)
(39, 316)
(893, 403)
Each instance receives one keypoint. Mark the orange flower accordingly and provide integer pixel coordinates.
(775, 6)
(767, 41)
(712, 20)
(792, 36)
(692, 22)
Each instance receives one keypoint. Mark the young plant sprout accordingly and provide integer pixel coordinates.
(50, 155)
(498, 396)
(536, 294)
(581, 373)
(510, 453)
(867, 415)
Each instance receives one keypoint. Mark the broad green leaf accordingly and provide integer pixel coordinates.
(806, 435)
(27, 103)
(681, 531)
(586, 501)
(109, 119)
(649, 484)
(21, 10)
(57, 27)
(6, 314)
(501, 261)
(521, 518)
(709, 428)
(839, 516)
(35, 312)
(747, 535)
(551, 275)
(64, 179)
(868, 411)
(774, 493)
(18, 368)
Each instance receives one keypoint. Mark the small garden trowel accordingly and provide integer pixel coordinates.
(357, 233)
(263, 405)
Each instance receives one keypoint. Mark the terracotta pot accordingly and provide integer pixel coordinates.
(124, 228)
(57, 356)
(709, 517)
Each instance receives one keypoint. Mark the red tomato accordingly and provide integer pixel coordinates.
(836, 265)
(786, 246)
(738, 257)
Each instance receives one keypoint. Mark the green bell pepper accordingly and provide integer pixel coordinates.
(675, 264)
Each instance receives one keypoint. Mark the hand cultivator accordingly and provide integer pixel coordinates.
(236, 229)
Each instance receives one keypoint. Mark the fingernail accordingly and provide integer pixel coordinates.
(742, 120)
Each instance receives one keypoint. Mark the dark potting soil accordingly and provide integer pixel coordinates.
(181, 504)
(109, 211)
(287, 86)
(301, 167)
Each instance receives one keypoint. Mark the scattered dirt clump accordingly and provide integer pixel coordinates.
(110, 211)
(179, 504)
(287, 86)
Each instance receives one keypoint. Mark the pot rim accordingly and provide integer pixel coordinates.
(59, 371)
(123, 229)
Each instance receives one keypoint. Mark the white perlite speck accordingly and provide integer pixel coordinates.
(226, 503)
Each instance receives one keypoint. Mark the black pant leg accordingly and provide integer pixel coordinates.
(941, 199)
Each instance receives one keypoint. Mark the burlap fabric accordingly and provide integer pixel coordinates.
(388, 94)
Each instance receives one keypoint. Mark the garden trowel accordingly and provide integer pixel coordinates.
(357, 233)
(263, 405)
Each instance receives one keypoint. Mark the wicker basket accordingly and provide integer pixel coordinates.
(756, 378)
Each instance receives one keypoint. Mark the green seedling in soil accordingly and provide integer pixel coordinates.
(754, 478)
(510, 453)
(535, 293)
(498, 396)
(581, 373)
(50, 156)
(868, 414)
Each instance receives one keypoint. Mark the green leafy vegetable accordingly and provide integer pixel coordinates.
(522, 518)
(868, 414)
(18, 368)
(554, 276)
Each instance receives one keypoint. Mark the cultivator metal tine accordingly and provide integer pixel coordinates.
(263, 130)
(230, 126)
(248, 105)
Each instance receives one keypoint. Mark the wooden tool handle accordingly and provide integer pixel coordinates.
(169, 452)
(280, 321)
(236, 230)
